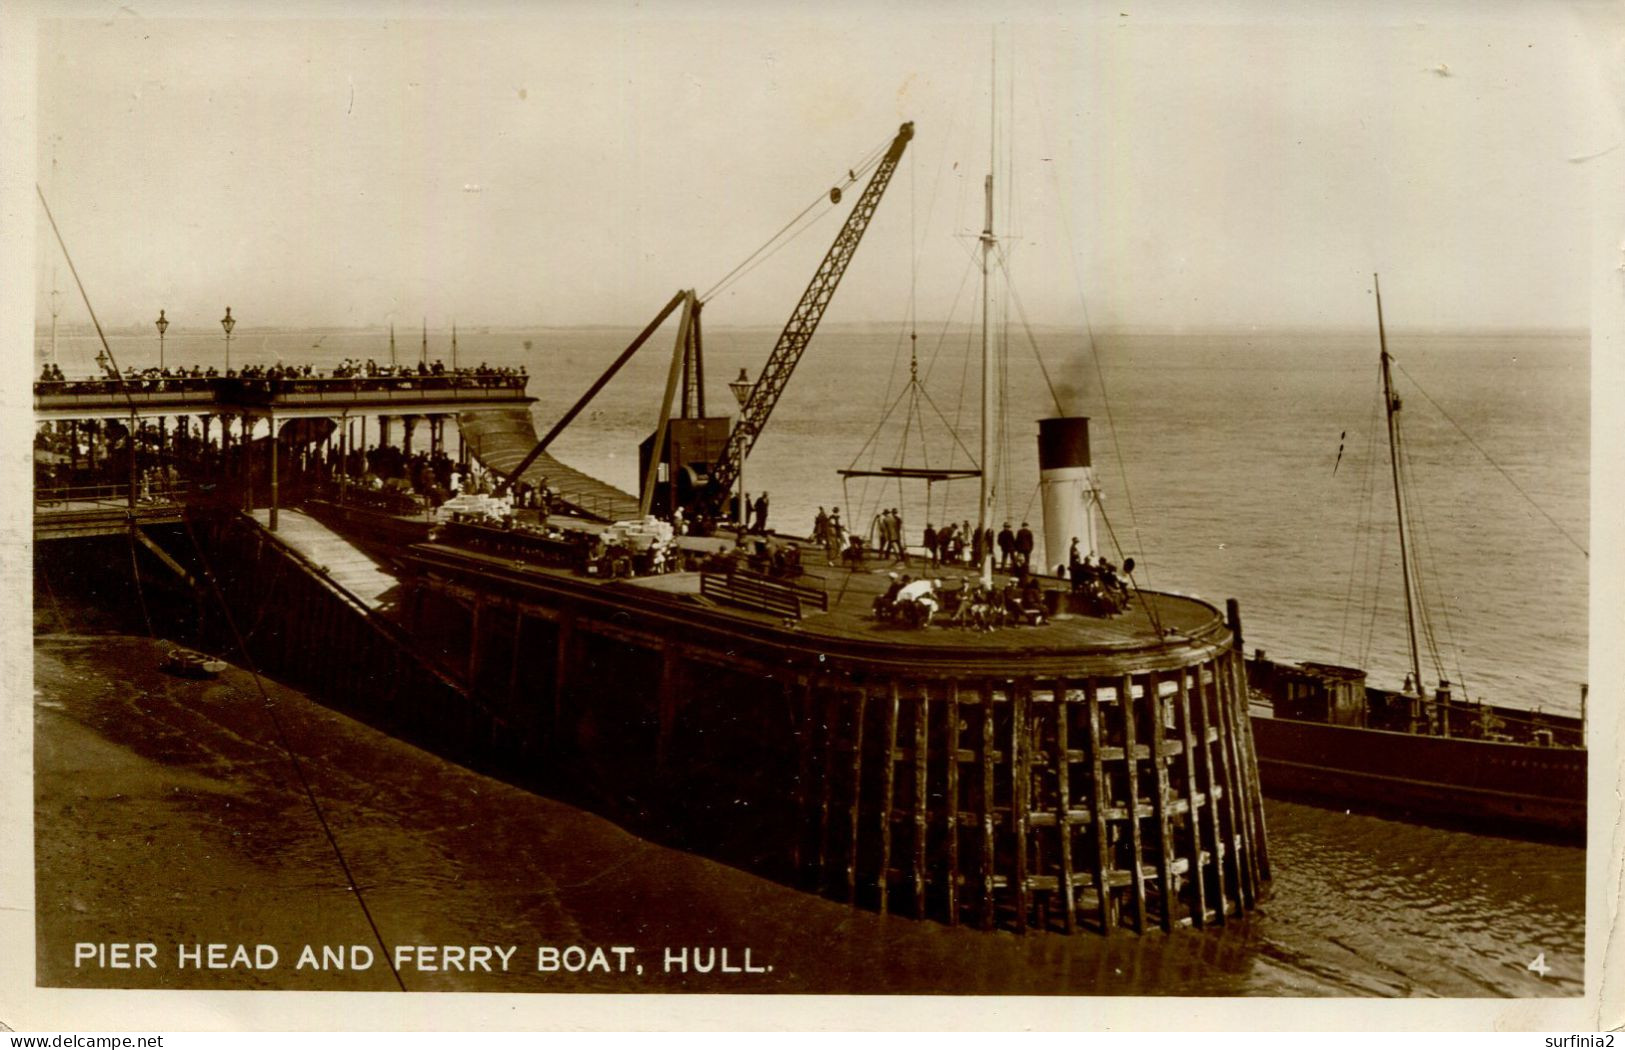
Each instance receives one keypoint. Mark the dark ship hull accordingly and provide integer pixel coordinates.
(1332, 741)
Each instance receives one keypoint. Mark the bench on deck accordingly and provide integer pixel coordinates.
(751, 590)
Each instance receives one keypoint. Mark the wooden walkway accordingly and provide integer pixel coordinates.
(345, 564)
(500, 439)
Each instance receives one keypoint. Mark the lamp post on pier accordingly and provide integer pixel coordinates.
(163, 326)
(228, 323)
(741, 388)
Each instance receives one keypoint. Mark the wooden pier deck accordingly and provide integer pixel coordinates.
(343, 562)
(1150, 618)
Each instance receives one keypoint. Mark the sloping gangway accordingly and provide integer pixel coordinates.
(501, 440)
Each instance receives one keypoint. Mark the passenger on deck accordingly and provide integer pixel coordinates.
(760, 508)
(834, 536)
(1007, 546)
(931, 545)
(916, 602)
(1032, 601)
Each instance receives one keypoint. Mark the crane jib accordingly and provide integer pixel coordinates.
(798, 331)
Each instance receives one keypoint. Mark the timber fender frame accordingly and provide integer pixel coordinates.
(1108, 789)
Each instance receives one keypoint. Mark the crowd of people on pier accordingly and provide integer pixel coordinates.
(481, 374)
(153, 380)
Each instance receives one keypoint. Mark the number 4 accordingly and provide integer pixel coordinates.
(1539, 965)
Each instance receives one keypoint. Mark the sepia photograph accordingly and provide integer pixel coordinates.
(1075, 501)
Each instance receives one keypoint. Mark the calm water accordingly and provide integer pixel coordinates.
(1228, 445)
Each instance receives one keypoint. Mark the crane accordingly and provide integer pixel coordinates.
(687, 360)
(798, 331)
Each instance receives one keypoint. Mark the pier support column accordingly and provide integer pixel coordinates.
(248, 462)
(669, 699)
(408, 424)
(344, 457)
(383, 431)
(274, 457)
(474, 642)
(563, 676)
(129, 445)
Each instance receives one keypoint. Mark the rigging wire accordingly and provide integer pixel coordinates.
(287, 749)
(1149, 607)
(1032, 341)
(1094, 352)
(1529, 499)
(1362, 524)
(140, 593)
(1418, 587)
(769, 247)
(1376, 590)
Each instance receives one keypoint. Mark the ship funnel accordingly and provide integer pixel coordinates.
(1067, 482)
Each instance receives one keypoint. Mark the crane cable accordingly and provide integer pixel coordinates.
(770, 248)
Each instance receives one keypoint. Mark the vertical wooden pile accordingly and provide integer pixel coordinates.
(1101, 803)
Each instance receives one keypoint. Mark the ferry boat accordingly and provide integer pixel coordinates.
(1331, 738)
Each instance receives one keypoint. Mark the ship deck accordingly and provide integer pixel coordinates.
(1169, 625)
(852, 593)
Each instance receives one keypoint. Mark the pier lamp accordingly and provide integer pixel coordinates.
(228, 323)
(163, 326)
(741, 388)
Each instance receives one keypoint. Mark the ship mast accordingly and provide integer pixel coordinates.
(55, 295)
(1391, 407)
(984, 517)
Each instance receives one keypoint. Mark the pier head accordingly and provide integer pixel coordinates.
(1088, 773)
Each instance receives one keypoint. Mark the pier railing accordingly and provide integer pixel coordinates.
(461, 387)
(66, 496)
(224, 393)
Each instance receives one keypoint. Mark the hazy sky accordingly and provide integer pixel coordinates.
(562, 164)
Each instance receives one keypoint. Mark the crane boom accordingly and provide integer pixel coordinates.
(798, 331)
